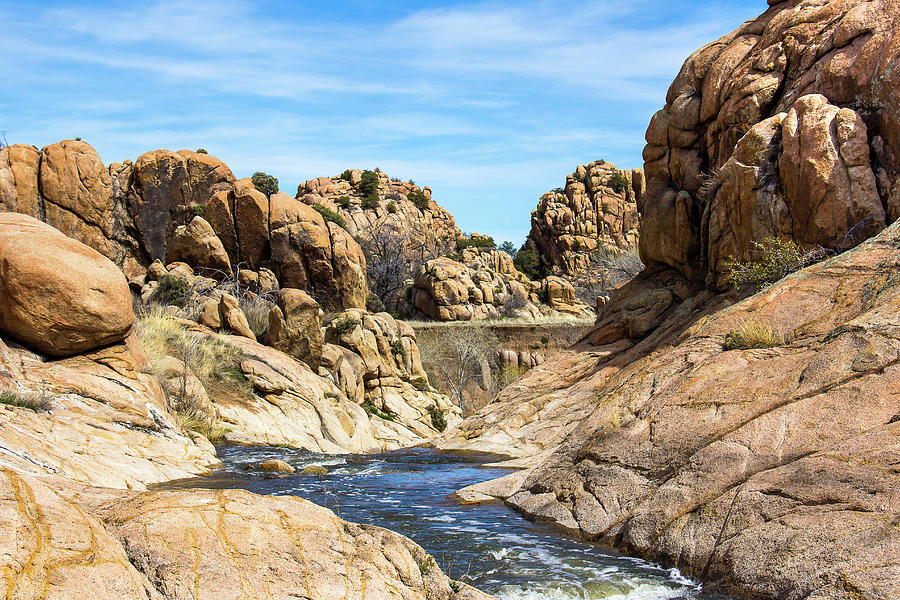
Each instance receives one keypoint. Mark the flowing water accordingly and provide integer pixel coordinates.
(489, 546)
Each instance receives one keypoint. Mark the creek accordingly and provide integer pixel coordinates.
(488, 546)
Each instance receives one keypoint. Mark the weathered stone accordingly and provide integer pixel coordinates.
(58, 296)
(295, 326)
(197, 244)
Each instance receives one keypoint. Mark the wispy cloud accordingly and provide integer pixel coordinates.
(489, 103)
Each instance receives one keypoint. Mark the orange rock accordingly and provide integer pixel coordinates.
(59, 296)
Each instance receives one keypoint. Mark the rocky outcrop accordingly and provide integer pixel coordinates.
(375, 360)
(67, 541)
(182, 206)
(786, 127)
(425, 229)
(486, 285)
(103, 420)
(56, 294)
(598, 208)
(766, 472)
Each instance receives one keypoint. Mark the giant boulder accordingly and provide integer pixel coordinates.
(58, 296)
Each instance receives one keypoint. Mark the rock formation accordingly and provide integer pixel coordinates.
(487, 285)
(375, 360)
(428, 231)
(598, 208)
(786, 127)
(183, 206)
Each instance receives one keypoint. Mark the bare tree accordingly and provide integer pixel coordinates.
(458, 355)
(392, 257)
(610, 268)
(3, 143)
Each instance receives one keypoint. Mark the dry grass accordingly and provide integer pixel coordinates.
(38, 402)
(211, 359)
(753, 334)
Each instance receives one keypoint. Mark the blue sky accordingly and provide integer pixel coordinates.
(490, 104)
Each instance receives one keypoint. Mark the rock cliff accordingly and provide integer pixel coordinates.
(183, 206)
(786, 127)
(598, 208)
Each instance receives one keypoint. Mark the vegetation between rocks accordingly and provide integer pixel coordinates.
(265, 183)
(329, 215)
(752, 334)
(777, 258)
(38, 402)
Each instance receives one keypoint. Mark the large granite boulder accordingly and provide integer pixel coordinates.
(58, 297)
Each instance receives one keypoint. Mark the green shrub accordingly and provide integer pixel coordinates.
(455, 586)
(201, 151)
(398, 349)
(345, 324)
(437, 417)
(752, 334)
(369, 202)
(198, 210)
(507, 247)
(329, 215)
(173, 290)
(418, 198)
(559, 190)
(526, 261)
(545, 340)
(35, 402)
(392, 207)
(343, 202)
(471, 242)
(346, 175)
(381, 414)
(777, 258)
(368, 184)
(267, 184)
(618, 181)
(78, 139)
(578, 177)
(374, 303)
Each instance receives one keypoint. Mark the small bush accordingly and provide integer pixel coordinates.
(267, 184)
(173, 290)
(346, 175)
(437, 417)
(559, 190)
(398, 349)
(78, 139)
(344, 202)
(368, 186)
(34, 402)
(392, 207)
(345, 324)
(752, 334)
(201, 151)
(527, 262)
(473, 242)
(377, 412)
(418, 198)
(329, 215)
(507, 247)
(374, 304)
(618, 181)
(778, 258)
(370, 202)
(545, 340)
(199, 210)
(577, 177)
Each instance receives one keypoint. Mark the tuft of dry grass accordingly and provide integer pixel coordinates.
(752, 334)
(32, 401)
(211, 359)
